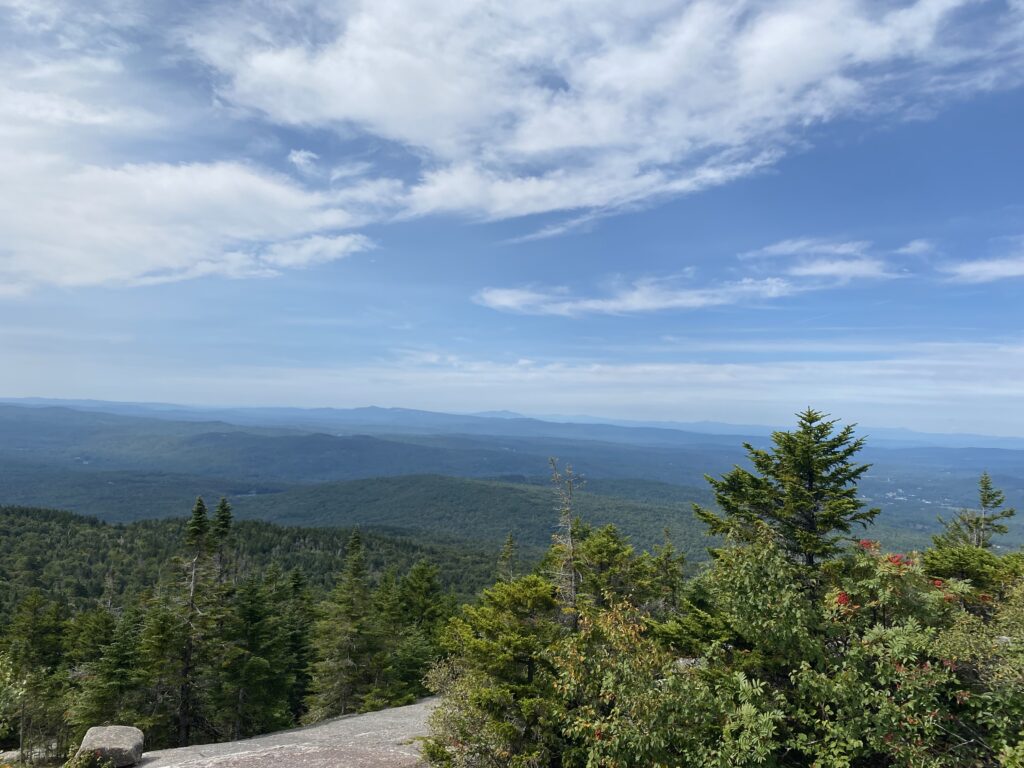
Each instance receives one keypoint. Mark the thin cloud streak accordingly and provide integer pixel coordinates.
(810, 246)
(842, 270)
(845, 263)
(648, 295)
(987, 270)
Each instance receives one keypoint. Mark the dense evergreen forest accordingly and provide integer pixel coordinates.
(800, 642)
(82, 561)
(203, 629)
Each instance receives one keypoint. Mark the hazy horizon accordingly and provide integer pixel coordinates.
(711, 426)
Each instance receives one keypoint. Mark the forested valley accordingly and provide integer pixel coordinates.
(801, 641)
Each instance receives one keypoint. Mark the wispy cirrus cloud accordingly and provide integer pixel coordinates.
(647, 295)
(819, 264)
(304, 160)
(987, 270)
(810, 246)
(917, 247)
(842, 270)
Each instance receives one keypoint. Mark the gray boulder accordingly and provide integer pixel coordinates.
(120, 744)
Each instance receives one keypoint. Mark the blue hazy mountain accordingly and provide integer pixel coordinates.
(128, 460)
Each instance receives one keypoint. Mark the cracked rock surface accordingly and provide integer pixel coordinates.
(385, 739)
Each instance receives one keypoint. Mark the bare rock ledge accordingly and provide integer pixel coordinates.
(385, 739)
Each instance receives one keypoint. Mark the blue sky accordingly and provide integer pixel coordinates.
(657, 210)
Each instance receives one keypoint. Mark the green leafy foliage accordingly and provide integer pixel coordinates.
(788, 649)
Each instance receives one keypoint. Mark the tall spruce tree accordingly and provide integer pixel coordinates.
(341, 641)
(299, 615)
(804, 488)
(34, 643)
(220, 529)
(110, 688)
(197, 529)
(253, 669)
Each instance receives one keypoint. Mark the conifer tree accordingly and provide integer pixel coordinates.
(110, 688)
(35, 650)
(340, 638)
(387, 629)
(422, 599)
(298, 617)
(162, 637)
(508, 559)
(198, 528)
(497, 705)
(222, 519)
(976, 527)
(197, 540)
(254, 669)
(220, 528)
(804, 488)
(176, 637)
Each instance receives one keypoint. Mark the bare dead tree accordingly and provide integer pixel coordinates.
(566, 574)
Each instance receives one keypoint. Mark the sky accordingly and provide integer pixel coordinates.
(678, 210)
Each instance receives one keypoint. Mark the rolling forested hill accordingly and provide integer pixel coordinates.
(473, 509)
(81, 559)
(471, 476)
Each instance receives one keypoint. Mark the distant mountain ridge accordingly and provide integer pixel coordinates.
(503, 422)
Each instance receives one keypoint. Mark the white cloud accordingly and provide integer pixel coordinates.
(987, 270)
(313, 250)
(518, 108)
(304, 160)
(917, 247)
(820, 264)
(350, 170)
(810, 246)
(491, 109)
(842, 269)
(81, 226)
(647, 295)
(80, 205)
